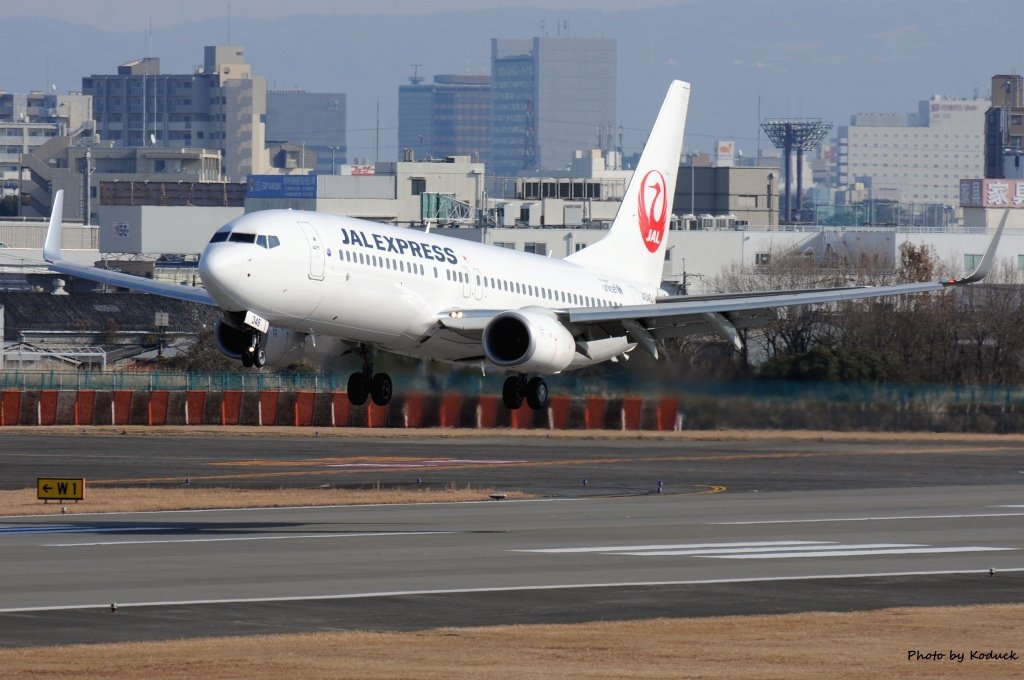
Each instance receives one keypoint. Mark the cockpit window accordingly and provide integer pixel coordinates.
(273, 241)
(261, 241)
(239, 237)
(219, 236)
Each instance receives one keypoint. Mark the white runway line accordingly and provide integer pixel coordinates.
(246, 538)
(680, 546)
(507, 589)
(825, 520)
(857, 552)
(766, 550)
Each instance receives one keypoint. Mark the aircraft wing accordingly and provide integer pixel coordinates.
(52, 254)
(690, 315)
(724, 314)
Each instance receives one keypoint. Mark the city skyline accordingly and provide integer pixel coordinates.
(742, 57)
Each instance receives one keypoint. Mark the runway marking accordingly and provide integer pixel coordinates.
(865, 519)
(681, 546)
(756, 550)
(247, 538)
(508, 589)
(429, 463)
(854, 552)
(810, 548)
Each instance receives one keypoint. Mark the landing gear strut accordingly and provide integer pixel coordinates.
(255, 355)
(517, 388)
(365, 384)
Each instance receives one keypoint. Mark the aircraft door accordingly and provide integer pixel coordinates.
(317, 257)
(478, 290)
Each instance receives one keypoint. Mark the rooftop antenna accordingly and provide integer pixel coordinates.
(229, 23)
(416, 78)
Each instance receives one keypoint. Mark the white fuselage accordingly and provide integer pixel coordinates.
(378, 284)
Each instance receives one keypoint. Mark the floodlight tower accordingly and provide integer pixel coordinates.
(802, 134)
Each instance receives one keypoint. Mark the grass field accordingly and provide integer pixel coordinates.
(894, 643)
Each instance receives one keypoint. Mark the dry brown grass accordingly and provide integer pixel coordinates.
(114, 499)
(795, 646)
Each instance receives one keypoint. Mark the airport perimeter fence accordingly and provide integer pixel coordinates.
(260, 399)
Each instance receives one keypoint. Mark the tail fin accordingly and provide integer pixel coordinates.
(635, 245)
(51, 249)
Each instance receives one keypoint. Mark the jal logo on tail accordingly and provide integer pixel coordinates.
(653, 209)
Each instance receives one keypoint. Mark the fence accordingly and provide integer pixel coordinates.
(122, 398)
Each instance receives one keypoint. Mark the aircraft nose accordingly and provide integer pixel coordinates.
(221, 270)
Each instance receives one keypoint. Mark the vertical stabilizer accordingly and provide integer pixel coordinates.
(635, 245)
(51, 248)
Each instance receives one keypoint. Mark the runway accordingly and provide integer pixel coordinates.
(705, 546)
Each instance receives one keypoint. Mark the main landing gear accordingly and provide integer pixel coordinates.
(517, 388)
(255, 355)
(365, 384)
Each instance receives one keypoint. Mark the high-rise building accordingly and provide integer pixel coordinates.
(549, 98)
(448, 117)
(220, 106)
(29, 120)
(1004, 129)
(915, 157)
(313, 122)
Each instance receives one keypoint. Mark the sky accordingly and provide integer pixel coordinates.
(777, 58)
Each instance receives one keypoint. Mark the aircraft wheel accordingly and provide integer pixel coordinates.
(380, 389)
(247, 358)
(358, 389)
(537, 393)
(259, 359)
(512, 392)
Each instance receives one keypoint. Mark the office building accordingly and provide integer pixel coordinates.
(448, 117)
(549, 98)
(916, 157)
(310, 122)
(27, 121)
(1004, 129)
(220, 106)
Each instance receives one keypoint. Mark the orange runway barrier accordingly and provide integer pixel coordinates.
(268, 408)
(231, 407)
(450, 405)
(47, 407)
(593, 417)
(156, 410)
(304, 409)
(85, 407)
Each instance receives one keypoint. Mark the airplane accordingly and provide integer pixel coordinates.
(295, 284)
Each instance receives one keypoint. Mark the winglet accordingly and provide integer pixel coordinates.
(51, 249)
(987, 260)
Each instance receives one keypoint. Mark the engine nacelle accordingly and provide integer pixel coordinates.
(532, 342)
(282, 346)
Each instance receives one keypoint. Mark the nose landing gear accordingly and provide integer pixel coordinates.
(255, 355)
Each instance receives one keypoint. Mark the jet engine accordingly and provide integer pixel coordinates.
(282, 346)
(529, 341)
